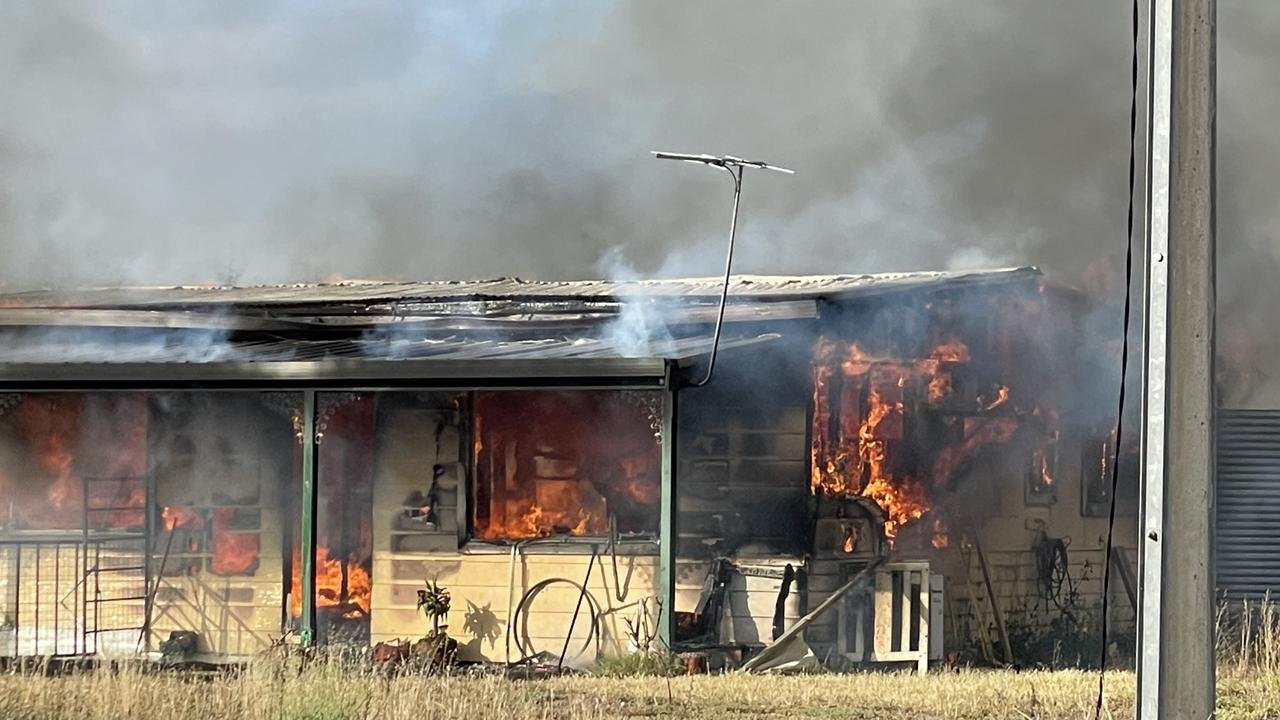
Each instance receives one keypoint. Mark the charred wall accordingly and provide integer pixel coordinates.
(742, 482)
(982, 418)
(742, 452)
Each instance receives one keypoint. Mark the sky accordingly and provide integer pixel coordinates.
(262, 142)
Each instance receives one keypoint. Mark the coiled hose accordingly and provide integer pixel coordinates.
(521, 616)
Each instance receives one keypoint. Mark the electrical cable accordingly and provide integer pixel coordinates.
(151, 597)
(511, 588)
(619, 589)
(1124, 368)
(514, 610)
(1053, 573)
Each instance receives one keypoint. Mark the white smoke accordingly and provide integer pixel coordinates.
(640, 324)
(75, 345)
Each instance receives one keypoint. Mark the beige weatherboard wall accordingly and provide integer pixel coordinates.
(486, 580)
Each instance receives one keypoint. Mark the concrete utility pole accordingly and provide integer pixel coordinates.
(1176, 638)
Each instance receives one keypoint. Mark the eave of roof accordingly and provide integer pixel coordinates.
(421, 323)
(742, 287)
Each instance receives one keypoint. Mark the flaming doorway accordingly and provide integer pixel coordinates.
(344, 520)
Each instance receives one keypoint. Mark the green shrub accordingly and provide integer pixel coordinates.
(640, 664)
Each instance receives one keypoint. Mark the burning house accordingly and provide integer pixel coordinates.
(240, 463)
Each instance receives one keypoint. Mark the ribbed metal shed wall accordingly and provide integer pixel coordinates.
(1248, 503)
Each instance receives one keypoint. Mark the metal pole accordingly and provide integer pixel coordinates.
(307, 553)
(667, 539)
(17, 601)
(1176, 662)
(150, 582)
(35, 623)
(57, 590)
(728, 276)
(586, 583)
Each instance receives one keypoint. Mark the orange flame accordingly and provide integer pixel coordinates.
(54, 428)
(850, 538)
(939, 388)
(979, 432)
(48, 425)
(329, 585)
(1042, 466)
(1040, 458)
(550, 464)
(1002, 396)
(903, 502)
(858, 431)
(951, 350)
(181, 517)
(234, 553)
(941, 538)
(856, 362)
(639, 485)
(537, 521)
(55, 458)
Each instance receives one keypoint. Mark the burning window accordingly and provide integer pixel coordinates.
(212, 477)
(1041, 488)
(1097, 465)
(550, 463)
(70, 460)
(899, 431)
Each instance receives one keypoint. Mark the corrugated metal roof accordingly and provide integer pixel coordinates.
(450, 321)
(421, 316)
(742, 287)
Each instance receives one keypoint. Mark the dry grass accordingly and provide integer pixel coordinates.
(335, 690)
(278, 690)
(275, 689)
(1248, 637)
(1248, 651)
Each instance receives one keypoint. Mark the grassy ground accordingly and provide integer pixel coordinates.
(336, 691)
(330, 690)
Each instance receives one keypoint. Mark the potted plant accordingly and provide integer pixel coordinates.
(437, 649)
(434, 601)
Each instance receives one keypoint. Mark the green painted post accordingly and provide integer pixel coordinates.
(667, 530)
(307, 629)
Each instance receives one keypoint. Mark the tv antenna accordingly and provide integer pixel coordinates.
(734, 166)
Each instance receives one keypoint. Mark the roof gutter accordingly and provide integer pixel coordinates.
(347, 374)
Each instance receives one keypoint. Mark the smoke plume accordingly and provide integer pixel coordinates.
(249, 142)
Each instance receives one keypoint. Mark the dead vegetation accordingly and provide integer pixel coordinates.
(1248, 657)
(279, 690)
(324, 688)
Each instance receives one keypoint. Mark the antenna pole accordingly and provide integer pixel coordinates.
(734, 166)
(728, 273)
